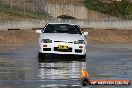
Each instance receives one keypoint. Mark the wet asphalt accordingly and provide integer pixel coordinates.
(21, 68)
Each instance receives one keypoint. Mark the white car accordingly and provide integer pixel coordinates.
(62, 38)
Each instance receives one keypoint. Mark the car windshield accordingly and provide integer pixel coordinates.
(62, 28)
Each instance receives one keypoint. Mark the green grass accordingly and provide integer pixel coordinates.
(121, 9)
(6, 13)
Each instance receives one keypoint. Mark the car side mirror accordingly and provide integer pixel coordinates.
(85, 33)
(39, 31)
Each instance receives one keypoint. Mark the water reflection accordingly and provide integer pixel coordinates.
(9, 70)
(62, 69)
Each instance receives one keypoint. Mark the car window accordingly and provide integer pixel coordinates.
(62, 28)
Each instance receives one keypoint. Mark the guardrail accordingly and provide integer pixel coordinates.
(32, 24)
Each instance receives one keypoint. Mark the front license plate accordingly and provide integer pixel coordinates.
(62, 47)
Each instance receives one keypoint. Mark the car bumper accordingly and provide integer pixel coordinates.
(72, 48)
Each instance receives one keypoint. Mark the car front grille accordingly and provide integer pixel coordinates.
(63, 50)
(63, 41)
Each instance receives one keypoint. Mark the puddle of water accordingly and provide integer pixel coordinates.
(21, 69)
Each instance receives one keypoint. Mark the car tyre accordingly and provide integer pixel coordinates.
(82, 56)
(41, 57)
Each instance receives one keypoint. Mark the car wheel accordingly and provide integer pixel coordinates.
(82, 56)
(41, 57)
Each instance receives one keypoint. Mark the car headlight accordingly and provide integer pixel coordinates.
(79, 42)
(46, 41)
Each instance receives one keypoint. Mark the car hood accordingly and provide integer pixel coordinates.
(62, 37)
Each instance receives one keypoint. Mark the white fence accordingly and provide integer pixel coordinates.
(30, 24)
